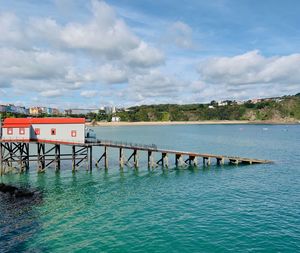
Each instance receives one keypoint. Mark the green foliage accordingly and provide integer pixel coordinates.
(268, 109)
(287, 107)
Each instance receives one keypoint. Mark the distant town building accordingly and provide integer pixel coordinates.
(255, 101)
(110, 109)
(54, 111)
(35, 110)
(49, 111)
(115, 119)
(211, 107)
(80, 111)
(14, 109)
(222, 103)
(3, 108)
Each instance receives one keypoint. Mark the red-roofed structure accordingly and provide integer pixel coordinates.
(52, 130)
(14, 121)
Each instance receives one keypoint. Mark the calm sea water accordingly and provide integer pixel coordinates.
(217, 209)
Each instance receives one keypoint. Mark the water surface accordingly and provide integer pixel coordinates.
(217, 209)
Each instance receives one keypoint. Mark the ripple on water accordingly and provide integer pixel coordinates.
(216, 209)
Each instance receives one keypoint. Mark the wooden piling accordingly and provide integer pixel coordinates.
(105, 157)
(1, 159)
(90, 158)
(121, 158)
(73, 158)
(206, 161)
(193, 160)
(150, 159)
(57, 157)
(177, 159)
(165, 160)
(135, 159)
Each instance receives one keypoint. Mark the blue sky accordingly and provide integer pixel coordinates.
(83, 54)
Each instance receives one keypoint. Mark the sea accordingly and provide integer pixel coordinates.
(230, 208)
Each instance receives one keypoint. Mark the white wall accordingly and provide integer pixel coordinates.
(63, 132)
(16, 134)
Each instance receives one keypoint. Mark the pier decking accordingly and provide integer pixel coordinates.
(16, 154)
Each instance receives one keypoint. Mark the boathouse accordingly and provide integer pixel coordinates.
(50, 130)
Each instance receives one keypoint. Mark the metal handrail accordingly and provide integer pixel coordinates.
(123, 144)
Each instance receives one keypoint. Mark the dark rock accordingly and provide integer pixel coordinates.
(16, 192)
(7, 188)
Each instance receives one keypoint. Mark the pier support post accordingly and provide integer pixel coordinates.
(121, 158)
(234, 161)
(41, 157)
(206, 161)
(165, 160)
(10, 163)
(135, 159)
(90, 158)
(179, 160)
(23, 156)
(176, 159)
(1, 159)
(150, 159)
(73, 159)
(57, 157)
(105, 157)
(220, 161)
(193, 160)
(26, 158)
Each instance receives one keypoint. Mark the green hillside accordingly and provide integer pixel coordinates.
(285, 108)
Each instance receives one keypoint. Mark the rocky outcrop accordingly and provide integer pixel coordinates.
(15, 191)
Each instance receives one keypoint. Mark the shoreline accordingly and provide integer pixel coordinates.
(206, 122)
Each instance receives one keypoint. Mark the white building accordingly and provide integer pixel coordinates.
(222, 103)
(115, 119)
(49, 130)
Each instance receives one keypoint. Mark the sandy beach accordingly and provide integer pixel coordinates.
(208, 122)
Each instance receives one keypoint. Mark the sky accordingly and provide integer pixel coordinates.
(88, 54)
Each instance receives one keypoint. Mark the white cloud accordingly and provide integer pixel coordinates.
(52, 93)
(32, 64)
(144, 56)
(181, 34)
(108, 74)
(155, 84)
(251, 68)
(47, 58)
(89, 93)
(10, 30)
(51, 58)
(247, 76)
(105, 35)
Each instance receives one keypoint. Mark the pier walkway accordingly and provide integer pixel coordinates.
(16, 154)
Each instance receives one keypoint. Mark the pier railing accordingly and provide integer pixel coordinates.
(124, 144)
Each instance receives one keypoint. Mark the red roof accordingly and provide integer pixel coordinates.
(23, 122)
(16, 125)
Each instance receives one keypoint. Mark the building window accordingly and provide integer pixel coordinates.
(53, 131)
(10, 131)
(37, 131)
(73, 133)
(22, 131)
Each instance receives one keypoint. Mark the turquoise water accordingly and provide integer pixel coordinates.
(217, 209)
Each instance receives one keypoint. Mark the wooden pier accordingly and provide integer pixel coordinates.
(16, 154)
